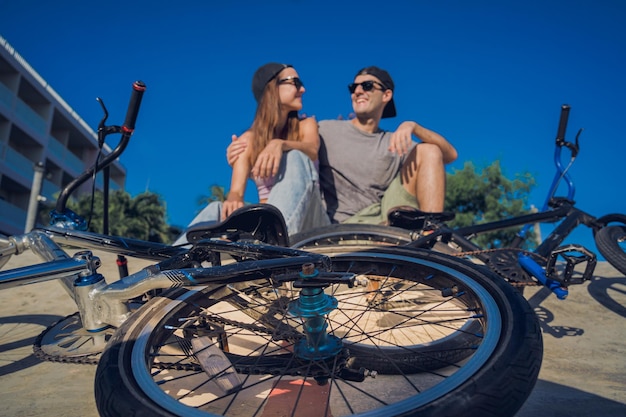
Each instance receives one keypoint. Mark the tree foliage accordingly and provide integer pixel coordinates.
(216, 193)
(475, 196)
(487, 195)
(141, 217)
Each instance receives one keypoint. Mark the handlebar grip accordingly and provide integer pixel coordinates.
(133, 106)
(560, 134)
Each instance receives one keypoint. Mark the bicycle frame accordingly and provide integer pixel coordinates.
(101, 304)
(298, 337)
(555, 209)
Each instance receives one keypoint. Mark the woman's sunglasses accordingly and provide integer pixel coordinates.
(366, 85)
(296, 82)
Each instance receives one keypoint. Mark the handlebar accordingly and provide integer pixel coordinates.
(133, 106)
(560, 134)
(60, 214)
(562, 171)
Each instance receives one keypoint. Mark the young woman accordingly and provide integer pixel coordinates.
(281, 158)
(275, 130)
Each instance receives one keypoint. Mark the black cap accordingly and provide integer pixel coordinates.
(385, 79)
(264, 75)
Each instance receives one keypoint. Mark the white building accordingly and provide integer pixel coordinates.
(36, 125)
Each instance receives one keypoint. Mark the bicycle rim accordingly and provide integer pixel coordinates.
(351, 234)
(419, 301)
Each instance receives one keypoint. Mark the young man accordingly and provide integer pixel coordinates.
(366, 171)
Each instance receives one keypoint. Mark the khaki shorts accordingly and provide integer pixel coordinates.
(394, 196)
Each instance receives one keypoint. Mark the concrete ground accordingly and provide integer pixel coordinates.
(583, 371)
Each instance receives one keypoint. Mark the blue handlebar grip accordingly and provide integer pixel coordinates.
(133, 106)
(537, 271)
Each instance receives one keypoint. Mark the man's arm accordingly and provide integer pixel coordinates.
(237, 146)
(401, 140)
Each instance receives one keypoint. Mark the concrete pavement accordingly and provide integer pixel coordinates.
(583, 371)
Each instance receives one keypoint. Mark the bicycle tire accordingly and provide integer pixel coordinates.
(611, 242)
(612, 218)
(494, 381)
(351, 234)
(4, 242)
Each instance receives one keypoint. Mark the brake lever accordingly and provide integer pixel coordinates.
(103, 129)
(573, 147)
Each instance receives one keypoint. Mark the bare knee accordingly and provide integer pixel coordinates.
(428, 152)
(422, 156)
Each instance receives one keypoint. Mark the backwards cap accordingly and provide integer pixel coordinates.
(264, 75)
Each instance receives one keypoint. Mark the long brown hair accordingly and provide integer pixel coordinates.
(265, 126)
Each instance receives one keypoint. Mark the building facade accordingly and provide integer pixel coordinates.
(38, 126)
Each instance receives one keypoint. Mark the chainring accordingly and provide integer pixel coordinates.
(69, 342)
(506, 264)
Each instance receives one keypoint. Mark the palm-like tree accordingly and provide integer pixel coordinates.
(141, 217)
(217, 193)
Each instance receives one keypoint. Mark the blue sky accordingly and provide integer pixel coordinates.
(488, 75)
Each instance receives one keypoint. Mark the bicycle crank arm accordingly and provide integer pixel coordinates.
(537, 271)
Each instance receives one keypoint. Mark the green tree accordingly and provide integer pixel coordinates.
(217, 193)
(141, 217)
(487, 195)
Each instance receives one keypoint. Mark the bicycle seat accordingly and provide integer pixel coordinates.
(407, 217)
(262, 222)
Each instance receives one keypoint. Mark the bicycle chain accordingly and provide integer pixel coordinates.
(94, 358)
(280, 335)
(500, 271)
(81, 360)
(276, 335)
(178, 366)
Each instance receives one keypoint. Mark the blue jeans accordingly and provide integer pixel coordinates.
(296, 194)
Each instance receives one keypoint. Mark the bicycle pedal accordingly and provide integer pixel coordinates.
(573, 255)
(215, 364)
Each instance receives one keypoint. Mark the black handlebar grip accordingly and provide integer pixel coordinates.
(133, 106)
(560, 134)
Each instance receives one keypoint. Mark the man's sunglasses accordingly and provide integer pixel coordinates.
(366, 85)
(296, 82)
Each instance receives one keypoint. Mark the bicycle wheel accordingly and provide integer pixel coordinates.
(611, 242)
(4, 242)
(351, 234)
(153, 366)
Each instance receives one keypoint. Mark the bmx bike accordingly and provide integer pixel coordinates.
(551, 264)
(240, 324)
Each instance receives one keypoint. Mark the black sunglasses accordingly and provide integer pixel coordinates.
(366, 85)
(297, 82)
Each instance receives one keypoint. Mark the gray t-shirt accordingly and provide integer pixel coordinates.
(356, 167)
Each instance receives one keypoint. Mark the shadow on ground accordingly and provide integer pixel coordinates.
(17, 335)
(555, 400)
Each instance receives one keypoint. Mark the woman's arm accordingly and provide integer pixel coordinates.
(239, 179)
(268, 161)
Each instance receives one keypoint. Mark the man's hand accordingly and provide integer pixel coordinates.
(401, 140)
(236, 148)
(268, 161)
